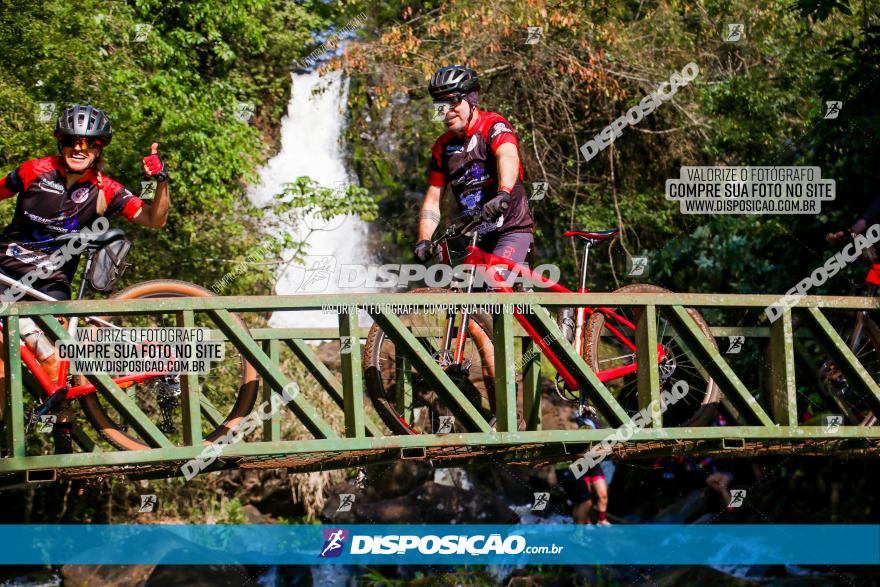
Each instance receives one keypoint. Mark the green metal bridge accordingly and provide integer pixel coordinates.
(764, 409)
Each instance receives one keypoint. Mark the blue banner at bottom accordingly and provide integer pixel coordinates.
(433, 544)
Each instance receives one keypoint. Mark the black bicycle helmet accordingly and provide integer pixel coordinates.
(453, 79)
(84, 121)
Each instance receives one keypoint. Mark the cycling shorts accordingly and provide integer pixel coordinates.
(58, 290)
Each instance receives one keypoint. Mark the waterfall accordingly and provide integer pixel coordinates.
(310, 146)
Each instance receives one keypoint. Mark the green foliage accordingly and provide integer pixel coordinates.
(232, 513)
(178, 84)
(757, 102)
(305, 198)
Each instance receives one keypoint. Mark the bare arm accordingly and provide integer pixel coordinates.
(507, 156)
(155, 214)
(429, 216)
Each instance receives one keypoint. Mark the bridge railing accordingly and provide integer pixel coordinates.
(762, 422)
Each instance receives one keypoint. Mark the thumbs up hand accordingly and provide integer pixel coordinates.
(153, 164)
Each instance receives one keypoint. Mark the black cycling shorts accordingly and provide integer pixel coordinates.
(58, 290)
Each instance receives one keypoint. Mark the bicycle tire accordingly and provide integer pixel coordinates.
(830, 381)
(378, 370)
(707, 398)
(247, 392)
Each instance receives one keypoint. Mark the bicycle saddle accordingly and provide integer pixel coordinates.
(95, 242)
(593, 236)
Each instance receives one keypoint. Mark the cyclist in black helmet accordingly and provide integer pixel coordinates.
(478, 157)
(62, 194)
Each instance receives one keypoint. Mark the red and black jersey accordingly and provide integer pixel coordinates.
(468, 165)
(46, 208)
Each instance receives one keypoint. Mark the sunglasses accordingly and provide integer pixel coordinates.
(452, 100)
(83, 142)
(441, 107)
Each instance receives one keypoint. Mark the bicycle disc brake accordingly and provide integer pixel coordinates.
(667, 365)
(563, 392)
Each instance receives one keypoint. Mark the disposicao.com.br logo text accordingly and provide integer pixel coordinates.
(451, 544)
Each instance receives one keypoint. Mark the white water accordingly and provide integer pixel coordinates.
(310, 146)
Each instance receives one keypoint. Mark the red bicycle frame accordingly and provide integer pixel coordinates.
(50, 387)
(481, 261)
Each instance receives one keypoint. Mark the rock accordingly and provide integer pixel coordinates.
(684, 510)
(453, 477)
(329, 354)
(518, 483)
(431, 503)
(199, 576)
(384, 482)
(252, 515)
(106, 575)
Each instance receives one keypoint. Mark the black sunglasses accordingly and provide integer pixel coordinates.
(452, 99)
(73, 141)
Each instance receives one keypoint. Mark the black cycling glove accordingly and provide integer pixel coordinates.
(423, 250)
(493, 209)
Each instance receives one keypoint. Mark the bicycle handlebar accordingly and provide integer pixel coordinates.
(470, 221)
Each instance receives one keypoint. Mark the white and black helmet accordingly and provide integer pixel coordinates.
(453, 79)
(84, 121)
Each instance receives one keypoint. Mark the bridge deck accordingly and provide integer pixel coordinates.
(763, 423)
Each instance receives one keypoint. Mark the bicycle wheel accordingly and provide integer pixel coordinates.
(826, 389)
(223, 411)
(603, 352)
(421, 413)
